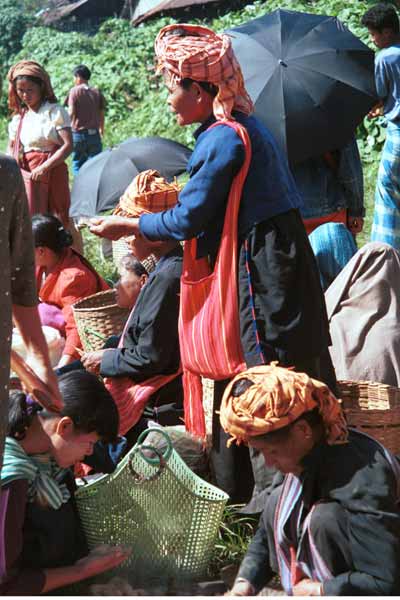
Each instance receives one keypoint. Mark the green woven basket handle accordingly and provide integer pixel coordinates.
(165, 455)
(140, 478)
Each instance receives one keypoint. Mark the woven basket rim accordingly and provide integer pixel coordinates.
(104, 293)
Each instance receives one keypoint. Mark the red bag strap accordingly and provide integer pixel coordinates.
(17, 142)
(228, 245)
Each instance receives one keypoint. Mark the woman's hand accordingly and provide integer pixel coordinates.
(113, 228)
(92, 361)
(308, 587)
(355, 224)
(38, 172)
(65, 359)
(376, 111)
(241, 588)
(102, 558)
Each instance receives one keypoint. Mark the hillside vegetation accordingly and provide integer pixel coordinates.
(122, 61)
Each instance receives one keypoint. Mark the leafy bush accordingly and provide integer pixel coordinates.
(13, 23)
(122, 61)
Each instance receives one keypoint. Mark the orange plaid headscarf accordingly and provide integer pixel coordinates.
(203, 55)
(278, 397)
(30, 68)
(148, 193)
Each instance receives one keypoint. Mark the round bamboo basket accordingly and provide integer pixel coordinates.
(120, 248)
(97, 318)
(373, 408)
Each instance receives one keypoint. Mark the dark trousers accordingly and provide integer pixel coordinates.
(231, 467)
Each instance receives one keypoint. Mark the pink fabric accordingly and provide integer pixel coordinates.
(52, 316)
(209, 333)
(130, 397)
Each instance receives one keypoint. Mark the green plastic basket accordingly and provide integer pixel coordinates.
(158, 506)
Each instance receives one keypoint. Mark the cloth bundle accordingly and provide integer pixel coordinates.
(195, 52)
(276, 398)
(148, 193)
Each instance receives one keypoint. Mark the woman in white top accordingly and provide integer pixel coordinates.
(40, 139)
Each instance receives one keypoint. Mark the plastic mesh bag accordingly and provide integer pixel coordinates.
(154, 503)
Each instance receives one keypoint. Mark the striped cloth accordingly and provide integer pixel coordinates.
(148, 193)
(40, 471)
(386, 225)
(198, 53)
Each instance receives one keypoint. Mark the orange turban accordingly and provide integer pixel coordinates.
(148, 193)
(202, 55)
(29, 68)
(278, 397)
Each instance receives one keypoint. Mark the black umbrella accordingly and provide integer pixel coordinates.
(311, 79)
(103, 179)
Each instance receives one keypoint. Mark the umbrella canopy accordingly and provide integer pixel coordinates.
(103, 179)
(311, 80)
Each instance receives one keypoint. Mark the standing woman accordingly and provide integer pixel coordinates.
(40, 139)
(240, 212)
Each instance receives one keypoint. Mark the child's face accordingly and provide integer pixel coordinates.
(382, 39)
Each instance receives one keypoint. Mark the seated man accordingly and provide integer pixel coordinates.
(143, 374)
(333, 526)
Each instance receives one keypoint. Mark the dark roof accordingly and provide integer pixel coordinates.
(62, 9)
(147, 8)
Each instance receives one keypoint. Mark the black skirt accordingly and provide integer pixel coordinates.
(281, 304)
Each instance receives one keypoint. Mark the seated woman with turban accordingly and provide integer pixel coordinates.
(333, 526)
(143, 374)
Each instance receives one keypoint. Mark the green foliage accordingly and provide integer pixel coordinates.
(13, 25)
(234, 535)
(122, 60)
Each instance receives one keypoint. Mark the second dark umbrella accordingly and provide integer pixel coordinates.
(100, 182)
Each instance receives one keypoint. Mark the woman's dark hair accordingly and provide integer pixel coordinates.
(82, 71)
(381, 16)
(20, 414)
(86, 402)
(49, 232)
(210, 88)
(312, 417)
(130, 263)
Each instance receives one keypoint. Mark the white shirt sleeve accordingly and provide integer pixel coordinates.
(59, 117)
(13, 127)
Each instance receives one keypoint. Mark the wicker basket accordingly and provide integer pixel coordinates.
(120, 248)
(97, 318)
(373, 408)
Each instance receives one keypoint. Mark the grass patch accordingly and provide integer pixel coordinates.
(234, 535)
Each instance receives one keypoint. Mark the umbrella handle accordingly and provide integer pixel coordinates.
(33, 384)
